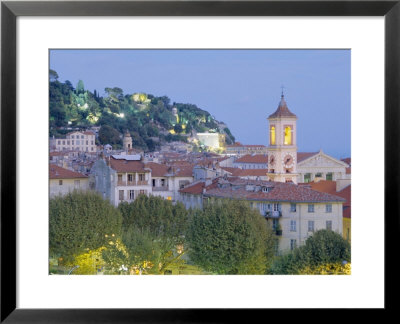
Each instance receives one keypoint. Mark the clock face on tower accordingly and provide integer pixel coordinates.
(288, 160)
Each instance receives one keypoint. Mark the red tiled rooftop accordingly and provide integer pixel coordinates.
(56, 172)
(122, 165)
(280, 192)
(157, 169)
(301, 156)
(253, 158)
(252, 172)
(283, 110)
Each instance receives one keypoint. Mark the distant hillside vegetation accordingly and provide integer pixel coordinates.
(151, 120)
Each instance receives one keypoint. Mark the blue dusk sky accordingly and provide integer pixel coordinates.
(239, 87)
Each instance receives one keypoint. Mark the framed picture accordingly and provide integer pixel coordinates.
(31, 29)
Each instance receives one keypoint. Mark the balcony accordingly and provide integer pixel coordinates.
(142, 183)
(161, 188)
(273, 214)
(126, 183)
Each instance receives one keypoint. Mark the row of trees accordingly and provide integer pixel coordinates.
(151, 235)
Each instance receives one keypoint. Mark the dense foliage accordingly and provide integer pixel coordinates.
(153, 232)
(81, 221)
(149, 119)
(324, 249)
(229, 237)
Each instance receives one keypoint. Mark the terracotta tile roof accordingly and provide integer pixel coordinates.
(347, 160)
(330, 187)
(157, 169)
(324, 186)
(197, 187)
(301, 156)
(252, 172)
(194, 189)
(56, 172)
(284, 192)
(250, 158)
(283, 110)
(122, 165)
(184, 171)
(348, 170)
(89, 133)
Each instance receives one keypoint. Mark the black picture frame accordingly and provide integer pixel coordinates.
(10, 10)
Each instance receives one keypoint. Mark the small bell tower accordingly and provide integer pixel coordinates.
(127, 141)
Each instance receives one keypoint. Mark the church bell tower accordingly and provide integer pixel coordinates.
(282, 149)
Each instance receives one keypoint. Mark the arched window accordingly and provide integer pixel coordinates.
(272, 135)
(288, 136)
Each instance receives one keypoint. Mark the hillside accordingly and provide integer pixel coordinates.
(151, 120)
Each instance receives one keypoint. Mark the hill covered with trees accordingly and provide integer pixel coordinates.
(151, 120)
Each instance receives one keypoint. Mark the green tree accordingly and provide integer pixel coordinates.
(229, 237)
(154, 230)
(323, 248)
(80, 87)
(79, 222)
(326, 246)
(109, 135)
(53, 75)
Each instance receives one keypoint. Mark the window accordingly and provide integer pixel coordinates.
(293, 226)
(142, 192)
(72, 136)
(329, 225)
(63, 142)
(318, 175)
(141, 176)
(119, 177)
(59, 142)
(77, 143)
(81, 136)
(310, 208)
(328, 208)
(277, 207)
(92, 143)
(272, 135)
(311, 226)
(293, 244)
(92, 148)
(72, 142)
(77, 183)
(293, 208)
(288, 135)
(67, 142)
(307, 177)
(329, 176)
(130, 177)
(131, 194)
(87, 142)
(60, 182)
(263, 206)
(162, 182)
(121, 195)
